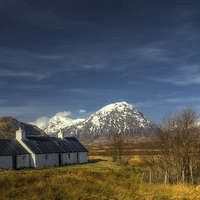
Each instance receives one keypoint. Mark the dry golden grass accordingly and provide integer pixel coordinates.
(96, 180)
(99, 179)
(180, 191)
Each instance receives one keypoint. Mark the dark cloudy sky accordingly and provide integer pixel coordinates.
(76, 56)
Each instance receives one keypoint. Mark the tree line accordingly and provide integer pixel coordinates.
(175, 146)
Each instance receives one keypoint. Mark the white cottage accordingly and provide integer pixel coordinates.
(47, 151)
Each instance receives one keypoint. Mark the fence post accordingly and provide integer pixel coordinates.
(191, 173)
(177, 179)
(183, 176)
(142, 177)
(158, 175)
(165, 177)
(192, 179)
(150, 178)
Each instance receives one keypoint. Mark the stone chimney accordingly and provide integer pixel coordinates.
(20, 134)
(61, 135)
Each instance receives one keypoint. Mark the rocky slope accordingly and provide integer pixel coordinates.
(9, 125)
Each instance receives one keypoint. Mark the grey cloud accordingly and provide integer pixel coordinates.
(183, 100)
(47, 63)
(189, 75)
(152, 54)
(22, 74)
(90, 91)
(151, 102)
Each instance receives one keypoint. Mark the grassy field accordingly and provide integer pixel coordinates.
(99, 179)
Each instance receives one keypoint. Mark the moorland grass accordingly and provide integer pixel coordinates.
(98, 179)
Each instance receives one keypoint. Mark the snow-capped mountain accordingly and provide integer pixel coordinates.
(113, 118)
(117, 117)
(58, 122)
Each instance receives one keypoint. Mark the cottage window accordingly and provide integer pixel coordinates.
(46, 157)
(24, 157)
(69, 155)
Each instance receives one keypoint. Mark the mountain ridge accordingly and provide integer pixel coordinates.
(112, 118)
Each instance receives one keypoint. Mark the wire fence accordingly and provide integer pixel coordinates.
(168, 178)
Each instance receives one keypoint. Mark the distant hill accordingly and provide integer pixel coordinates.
(9, 125)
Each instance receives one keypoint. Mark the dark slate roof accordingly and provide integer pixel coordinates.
(11, 148)
(47, 145)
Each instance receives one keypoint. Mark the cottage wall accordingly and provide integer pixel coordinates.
(83, 157)
(68, 158)
(5, 161)
(23, 161)
(46, 159)
(31, 157)
(64, 158)
(73, 158)
(53, 159)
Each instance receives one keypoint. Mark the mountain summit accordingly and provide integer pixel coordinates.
(113, 118)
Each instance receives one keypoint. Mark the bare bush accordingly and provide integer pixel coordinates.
(175, 147)
(118, 147)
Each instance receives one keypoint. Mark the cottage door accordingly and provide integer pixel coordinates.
(14, 162)
(77, 157)
(60, 163)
